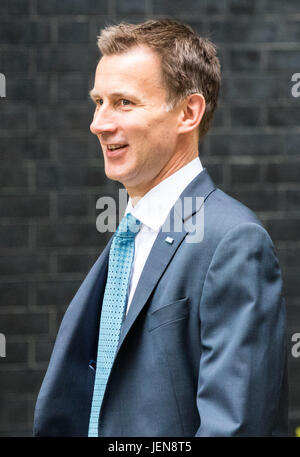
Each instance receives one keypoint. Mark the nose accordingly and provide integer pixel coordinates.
(102, 122)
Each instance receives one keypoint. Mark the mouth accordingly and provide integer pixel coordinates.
(115, 150)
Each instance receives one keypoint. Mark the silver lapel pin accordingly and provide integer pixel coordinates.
(169, 240)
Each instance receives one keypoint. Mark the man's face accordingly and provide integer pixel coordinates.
(130, 114)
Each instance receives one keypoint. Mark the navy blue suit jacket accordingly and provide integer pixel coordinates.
(202, 350)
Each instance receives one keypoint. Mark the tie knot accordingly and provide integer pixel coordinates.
(128, 227)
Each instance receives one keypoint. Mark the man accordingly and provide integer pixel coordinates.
(174, 331)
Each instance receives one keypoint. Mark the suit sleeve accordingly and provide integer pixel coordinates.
(243, 337)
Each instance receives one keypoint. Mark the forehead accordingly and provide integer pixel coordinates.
(138, 69)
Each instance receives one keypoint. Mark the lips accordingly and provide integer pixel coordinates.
(116, 151)
(113, 147)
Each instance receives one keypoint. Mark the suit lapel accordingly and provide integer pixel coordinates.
(162, 252)
(159, 258)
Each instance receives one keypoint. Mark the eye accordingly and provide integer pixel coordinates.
(125, 102)
(99, 101)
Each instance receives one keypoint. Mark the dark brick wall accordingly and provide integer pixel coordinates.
(51, 170)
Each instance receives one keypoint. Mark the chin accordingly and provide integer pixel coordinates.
(116, 175)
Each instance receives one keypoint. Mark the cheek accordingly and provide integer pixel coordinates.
(148, 132)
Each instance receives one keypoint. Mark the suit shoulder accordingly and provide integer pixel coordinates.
(223, 213)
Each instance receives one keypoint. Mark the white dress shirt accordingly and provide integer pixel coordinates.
(152, 210)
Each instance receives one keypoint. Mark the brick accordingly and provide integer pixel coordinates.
(20, 89)
(74, 263)
(72, 118)
(11, 176)
(65, 176)
(132, 8)
(73, 205)
(286, 229)
(96, 150)
(248, 116)
(292, 141)
(56, 293)
(14, 60)
(243, 31)
(73, 88)
(15, 116)
(220, 144)
(283, 172)
(20, 381)
(213, 7)
(55, 235)
(288, 31)
(247, 144)
(68, 57)
(219, 118)
(12, 408)
(258, 200)
(276, 6)
(24, 264)
(69, 148)
(42, 93)
(14, 294)
(33, 91)
(292, 198)
(43, 350)
(294, 365)
(293, 257)
(13, 236)
(24, 32)
(293, 315)
(15, 7)
(283, 61)
(175, 7)
(260, 88)
(283, 116)
(292, 287)
(243, 6)
(17, 149)
(258, 143)
(75, 7)
(28, 323)
(245, 174)
(17, 206)
(73, 32)
(19, 430)
(16, 352)
(245, 60)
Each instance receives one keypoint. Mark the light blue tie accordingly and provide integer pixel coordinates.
(113, 309)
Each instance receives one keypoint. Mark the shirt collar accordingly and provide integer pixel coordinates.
(153, 208)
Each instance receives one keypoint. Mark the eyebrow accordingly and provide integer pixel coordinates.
(93, 94)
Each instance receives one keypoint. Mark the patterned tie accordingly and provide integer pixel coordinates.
(113, 309)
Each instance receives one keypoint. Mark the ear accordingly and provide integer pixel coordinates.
(193, 109)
